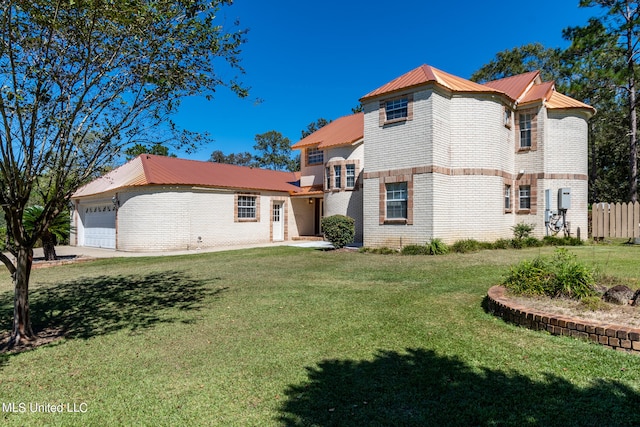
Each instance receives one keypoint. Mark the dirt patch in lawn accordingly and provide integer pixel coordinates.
(623, 315)
(44, 337)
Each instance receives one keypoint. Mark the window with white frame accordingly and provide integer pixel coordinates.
(246, 207)
(525, 122)
(314, 156)
(507, 197)
(327, 171)
(351, 175)
(524, 193)
(507, 117)
(397, 109)
(337, 179)
(396, 200)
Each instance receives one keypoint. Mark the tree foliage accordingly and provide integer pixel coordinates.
(241, 159)
(82, 78)
(522, 59)
(273, 151)
(314, 126)
(157, 149)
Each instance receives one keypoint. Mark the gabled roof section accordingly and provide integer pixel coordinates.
(426, 74)
(343, 131)
(515, 86)
(147, 169)
(558, 101)
(537, 93)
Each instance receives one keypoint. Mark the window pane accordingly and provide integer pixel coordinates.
(246, 207)
(314, 156)
(507, 197)
(397, 109)
(397, 200)
(525, 130)
(336, 175)
(351, 175)
(525, 197)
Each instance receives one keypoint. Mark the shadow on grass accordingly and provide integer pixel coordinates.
(420, 388)
(100, 305)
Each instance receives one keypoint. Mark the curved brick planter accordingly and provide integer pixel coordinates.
(614, 336)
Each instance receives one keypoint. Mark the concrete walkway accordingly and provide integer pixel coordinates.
(87, 252)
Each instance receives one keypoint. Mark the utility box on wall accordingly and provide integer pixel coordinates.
(564, 198)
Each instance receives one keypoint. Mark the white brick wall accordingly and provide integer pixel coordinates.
(172, 218)
(463, 138)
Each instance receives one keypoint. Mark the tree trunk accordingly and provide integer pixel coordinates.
(21, 318)
(49, 246)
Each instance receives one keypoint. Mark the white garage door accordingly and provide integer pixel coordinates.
(100, 226)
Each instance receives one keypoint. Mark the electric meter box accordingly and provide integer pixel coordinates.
(564, 198)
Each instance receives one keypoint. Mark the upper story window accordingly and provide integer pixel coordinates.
(337, 171)
(397, 108)
(507, 117)
(351, 175)
(525, 124)
(314, 156)
(328, 178)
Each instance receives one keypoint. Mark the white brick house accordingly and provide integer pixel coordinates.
(444, 157)
(156, 203)
(431, 156)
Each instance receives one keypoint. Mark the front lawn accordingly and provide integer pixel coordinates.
(287, 337)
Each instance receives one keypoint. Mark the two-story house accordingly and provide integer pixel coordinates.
(440, 156)
(432, 155)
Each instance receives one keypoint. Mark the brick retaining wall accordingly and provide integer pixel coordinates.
(614, 336)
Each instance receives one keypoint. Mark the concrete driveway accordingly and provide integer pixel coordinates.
(87, 252)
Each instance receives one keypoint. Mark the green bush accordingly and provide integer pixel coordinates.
(339, 230)
(382, 251)
(522, 230)
(562, 241)
(502, 244)
(560, 275)
(465, 246)
(531, 242)
(414, 250)
(437, 247)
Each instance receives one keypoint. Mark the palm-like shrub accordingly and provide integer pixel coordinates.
(57, 231)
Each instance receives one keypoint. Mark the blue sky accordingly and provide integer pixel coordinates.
(312, 59)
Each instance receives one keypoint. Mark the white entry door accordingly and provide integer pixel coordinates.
(277, 222)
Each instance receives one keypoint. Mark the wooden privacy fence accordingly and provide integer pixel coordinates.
(615, 220)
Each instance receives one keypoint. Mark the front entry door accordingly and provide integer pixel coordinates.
(277, 222)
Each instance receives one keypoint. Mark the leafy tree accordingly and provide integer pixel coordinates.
(620, 23)
(58, 229)
(523, 59)
(314, 126)
(79, 80)
(241, 159)
(157, 149)
(274, 151)
(595, 59)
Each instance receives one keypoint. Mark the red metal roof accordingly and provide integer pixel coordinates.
(515, 86)
(558, 101)
(426, 74)
(521, 89)
(148, 169)
(343, 131)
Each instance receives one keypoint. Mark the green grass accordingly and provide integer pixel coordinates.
(288, 337)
